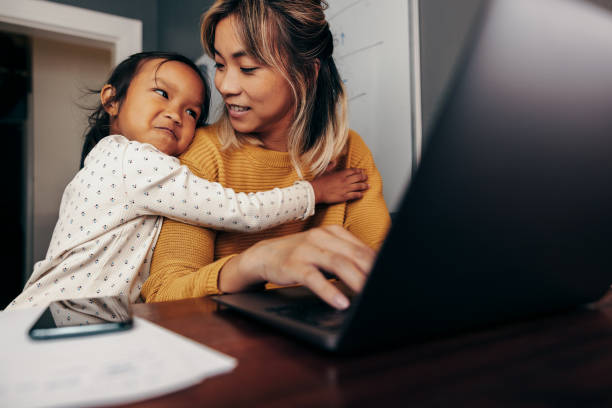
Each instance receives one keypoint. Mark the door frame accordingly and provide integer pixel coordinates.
(44, 19)
(121, 35)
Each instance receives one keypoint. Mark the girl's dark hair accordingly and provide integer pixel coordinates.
(120, 79)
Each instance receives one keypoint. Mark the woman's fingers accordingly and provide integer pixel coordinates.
(350, 246)
(342, 267)
(301, 258)
(314, 280)
(337, 251)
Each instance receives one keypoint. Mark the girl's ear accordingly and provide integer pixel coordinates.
(107, 95)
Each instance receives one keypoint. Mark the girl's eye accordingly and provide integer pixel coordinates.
(248, 70)
(192, 113)
(161, 92)
(219, 65)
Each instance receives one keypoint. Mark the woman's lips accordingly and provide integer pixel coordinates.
(237, 111)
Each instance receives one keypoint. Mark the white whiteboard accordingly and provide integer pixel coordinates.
(373, 49)
(376, 51)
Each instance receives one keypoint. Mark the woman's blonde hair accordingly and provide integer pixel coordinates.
(292, 37)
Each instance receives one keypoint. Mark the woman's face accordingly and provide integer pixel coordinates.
(258, 99)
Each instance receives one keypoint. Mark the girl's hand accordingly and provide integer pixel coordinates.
(339, 186)
(300, 259)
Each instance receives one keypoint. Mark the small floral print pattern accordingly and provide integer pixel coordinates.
(118, 201)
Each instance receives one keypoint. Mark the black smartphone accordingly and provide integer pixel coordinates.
(83, 317)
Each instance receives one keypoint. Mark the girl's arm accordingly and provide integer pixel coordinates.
(158, 184)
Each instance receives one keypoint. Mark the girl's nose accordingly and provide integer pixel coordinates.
(173, 114)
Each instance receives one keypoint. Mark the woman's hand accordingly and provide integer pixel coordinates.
(299, 259)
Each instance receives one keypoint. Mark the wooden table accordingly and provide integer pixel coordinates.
(563, 360)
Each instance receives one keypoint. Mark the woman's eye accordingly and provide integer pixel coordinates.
(219, 65)
(161, 92)
(248, 70)
(192, 113)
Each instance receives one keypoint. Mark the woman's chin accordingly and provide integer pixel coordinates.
(241, 126)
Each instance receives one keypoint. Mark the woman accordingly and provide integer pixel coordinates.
(284, 119)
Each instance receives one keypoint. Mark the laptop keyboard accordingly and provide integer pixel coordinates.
(318, 314)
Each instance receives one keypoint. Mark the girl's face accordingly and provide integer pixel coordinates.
(161, 107)
(258, 99)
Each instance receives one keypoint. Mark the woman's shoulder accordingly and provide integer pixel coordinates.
(204, 141)
(203, 155)
(355, 140)
(207, 134)
(358, 151)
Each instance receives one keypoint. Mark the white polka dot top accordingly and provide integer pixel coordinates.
(112, 211)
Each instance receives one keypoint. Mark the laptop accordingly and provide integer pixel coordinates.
(509, 215)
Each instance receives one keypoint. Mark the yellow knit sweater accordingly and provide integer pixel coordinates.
(187, 259)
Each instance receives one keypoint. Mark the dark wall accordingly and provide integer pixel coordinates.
(179, 27)
(168, 25)
(144, 10)
(607, 4)
(173, 25)
(445, 25)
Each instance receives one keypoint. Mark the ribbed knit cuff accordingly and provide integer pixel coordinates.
(212, 279)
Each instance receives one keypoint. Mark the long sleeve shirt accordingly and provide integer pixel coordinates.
(111, 215)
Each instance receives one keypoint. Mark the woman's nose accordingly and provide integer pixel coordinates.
(227, 83)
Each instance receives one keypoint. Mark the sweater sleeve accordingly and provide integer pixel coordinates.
(159, 185)
(367, 218)
(176, 269)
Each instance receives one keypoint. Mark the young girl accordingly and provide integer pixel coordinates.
(112, 211)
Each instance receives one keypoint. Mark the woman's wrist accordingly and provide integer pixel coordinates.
(238, 274)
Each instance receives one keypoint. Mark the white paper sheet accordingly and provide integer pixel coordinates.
(141, 363)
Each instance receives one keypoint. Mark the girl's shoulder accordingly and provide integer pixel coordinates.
(133, 147)
(119, 148)
(111, 143)
(114, 140)
(107, 146)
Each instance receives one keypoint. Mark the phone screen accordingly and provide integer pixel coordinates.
(82, 317)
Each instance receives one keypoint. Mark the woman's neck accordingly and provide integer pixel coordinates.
(275, 138)
(274, 142)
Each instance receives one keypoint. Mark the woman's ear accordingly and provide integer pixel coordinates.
(107, 95)
(317, 67)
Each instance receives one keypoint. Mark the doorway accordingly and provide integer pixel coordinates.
(16, 85)
(53, 39)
